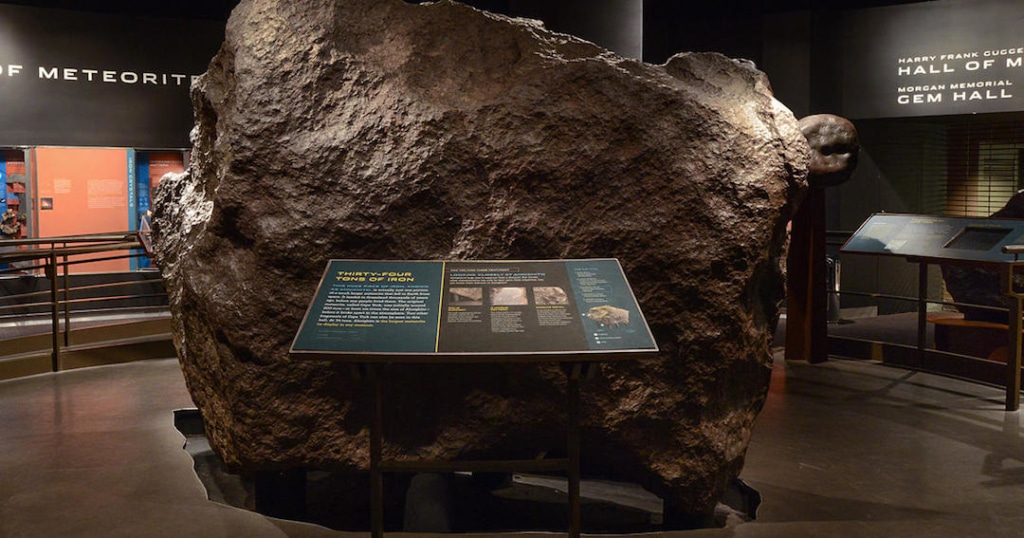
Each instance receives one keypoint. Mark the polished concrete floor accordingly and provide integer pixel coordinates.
(841, 449)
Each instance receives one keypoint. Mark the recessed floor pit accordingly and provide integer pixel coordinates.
(458, 502)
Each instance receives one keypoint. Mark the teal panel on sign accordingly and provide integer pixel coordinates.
(376, 307)
(611, 317)
(473, 310)
(937, 238)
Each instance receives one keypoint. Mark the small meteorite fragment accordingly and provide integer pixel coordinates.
(609, 315)
(550, 295)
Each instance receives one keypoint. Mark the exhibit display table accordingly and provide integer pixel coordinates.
(573, 312)
(982, 242)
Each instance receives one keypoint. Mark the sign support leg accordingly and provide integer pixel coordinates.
(376, 451)
(573, 374)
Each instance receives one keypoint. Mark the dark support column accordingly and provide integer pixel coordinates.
(807, 298)
(281, 493)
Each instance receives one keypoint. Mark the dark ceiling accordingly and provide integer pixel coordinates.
(180, 9)
(220, 9)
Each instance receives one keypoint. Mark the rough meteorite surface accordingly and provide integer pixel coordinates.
(379, 129)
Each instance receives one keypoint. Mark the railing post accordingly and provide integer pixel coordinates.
(1014, 328)
(51, 272)
(46, 256)
(922, 312)
(67, 302)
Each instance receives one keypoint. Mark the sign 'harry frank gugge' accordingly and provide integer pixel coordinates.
(933, 58)
(959, 91)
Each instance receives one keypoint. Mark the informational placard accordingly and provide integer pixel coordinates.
(424, 310)
(937, 238)
(933, 58)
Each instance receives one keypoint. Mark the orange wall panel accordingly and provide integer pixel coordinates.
(81, 191)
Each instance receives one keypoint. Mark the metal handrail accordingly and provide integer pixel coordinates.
(22, 255)
(51, 254)
(1016, 250)
(839, 237)
(905, 298)
(978, 372)
(79, 238)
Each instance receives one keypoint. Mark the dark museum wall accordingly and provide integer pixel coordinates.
(732, 28)
(879, 62)
(75, 78)
(929, 145)
(213, 10)
(933, 89)
(617, 25)
(787, 44)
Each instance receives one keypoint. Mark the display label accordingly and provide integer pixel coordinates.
(472, 308)
(934, 58)
(937, 238)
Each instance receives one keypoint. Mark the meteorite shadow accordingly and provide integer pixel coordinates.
(459, 502)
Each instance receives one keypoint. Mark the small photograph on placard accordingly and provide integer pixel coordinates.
(608, 316)
(509, 296)
(46, 204)
(466, 296)
(549, 295)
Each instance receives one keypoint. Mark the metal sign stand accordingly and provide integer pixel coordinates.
(404, 323)
(978, 242)
(574, 372)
